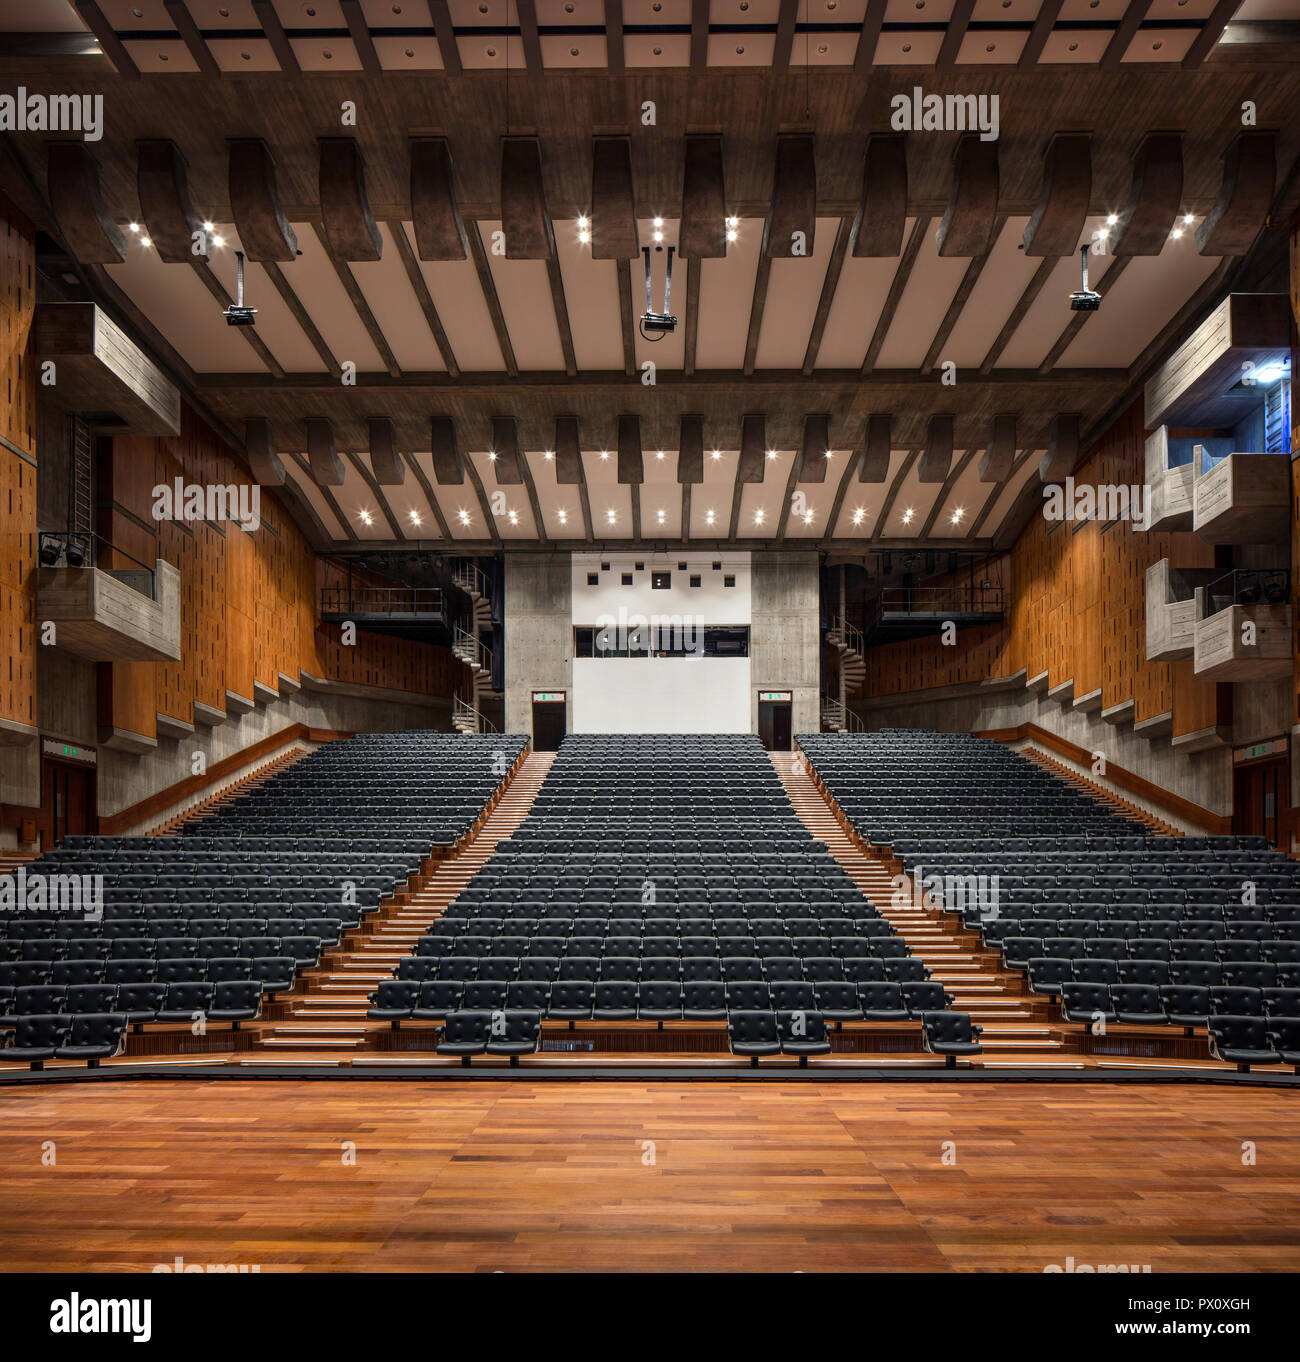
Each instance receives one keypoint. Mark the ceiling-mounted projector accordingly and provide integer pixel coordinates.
(237, 314)
(656, 325)
(1085, 300)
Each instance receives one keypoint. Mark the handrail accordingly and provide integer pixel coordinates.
(381, 600)
(840, 716)
(462, 708)
(74, 546)
(934, 600)
(462, 639)
(850, 636)
(471, 578)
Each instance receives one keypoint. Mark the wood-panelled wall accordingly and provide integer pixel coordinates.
(248, 601)
(1077, 609)
(18, 642)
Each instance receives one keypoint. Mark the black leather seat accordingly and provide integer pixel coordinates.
(802, 1033)
(753, 1034)
(950, 1034)
(438, 998)
(394, 1000)
(236, 1000)
(94, 1036)
(465, 1034)
(1284, 1037)
(515, 1032)
(36, 1038)
(1137, 1004)
(1241, 1040)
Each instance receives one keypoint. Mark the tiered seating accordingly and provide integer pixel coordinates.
(1116, 923)
(217, 919)
(656, 879)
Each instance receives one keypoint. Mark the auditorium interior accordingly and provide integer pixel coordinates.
(649, 611)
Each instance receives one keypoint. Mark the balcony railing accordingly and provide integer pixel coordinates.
(85, 548)
(391, 601)
(1247, 586)
(940, 601)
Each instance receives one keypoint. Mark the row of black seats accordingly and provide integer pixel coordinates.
(692, 968)
(1046, 973)
(1185, 1005)
(231, 1000)
(657, 1000)
(274, 972)
(90, 1036)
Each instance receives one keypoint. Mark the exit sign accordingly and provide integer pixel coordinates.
(548, 697)
(777, 695)
(1273, 748)
(67, 751)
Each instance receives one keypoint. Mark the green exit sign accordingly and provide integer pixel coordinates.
(547, 697)
(777, 695)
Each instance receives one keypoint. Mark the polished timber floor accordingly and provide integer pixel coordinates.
(312, 1176)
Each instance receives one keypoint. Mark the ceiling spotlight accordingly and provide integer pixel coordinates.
(828, 454)
(717, 453)
(218, 240)
(957, 515)
(857, 516)
(415, 517)
(661, 517)
(807, 517)
(144, 241)
(659, 222)
(582, 222)
(708, 517)
(733, 222)
(584, 237)
(1188, 219)
(604, 453)
(610, 516)
(659, 236)
(1177, 233)
(464, 517)
(732, 234)
(659, 454)
(907, 516)
(492, 454)
(550, 454)
(758, 516)
(133, 226)
(513, 517)
(1112, 220)
(209, 226)
(366, 517)
(771, 453)
(563, 516)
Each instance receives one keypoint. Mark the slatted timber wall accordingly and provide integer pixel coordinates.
(17, 474)
(248, 601)
(1077, 609)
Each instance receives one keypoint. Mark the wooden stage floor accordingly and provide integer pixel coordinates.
(560, 1176)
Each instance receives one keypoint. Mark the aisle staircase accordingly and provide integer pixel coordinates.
(328, 1006)
(215, 803)
(1016, 1029)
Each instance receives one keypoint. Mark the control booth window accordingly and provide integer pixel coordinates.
(661, 581)
(667, 637)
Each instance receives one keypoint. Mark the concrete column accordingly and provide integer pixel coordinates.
(783, 636)
(539, 634)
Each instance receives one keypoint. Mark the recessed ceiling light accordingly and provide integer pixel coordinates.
(659, 222)
(582, 223)
(513, 517)
(659, 454)
(733, 222)
(366, 517)
(550, 454)
(604, 453)
(1188, 219)
(584, 237)
(758, 516)
(771, 453)
(717, 453)
(144, 241)
(610, 516)
(907, 516)
(659, 236)
(661, 517)
(957, 515)
(732, 234)
(807, 517)
(218, 240)
(857, 515)
(1112, 220)
(563, 516)
(828, 453)
(708, 517)
(464, 517)
(1177, 233)
(209, 226)
(492, 454)
(415, 517)
(133, 226)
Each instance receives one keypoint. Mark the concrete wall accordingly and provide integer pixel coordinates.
(784, 635)
(539, 634)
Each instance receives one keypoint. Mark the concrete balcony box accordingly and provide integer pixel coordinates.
(101, 614)
(1220, 654)
(1243, 499)
(1171, 609)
